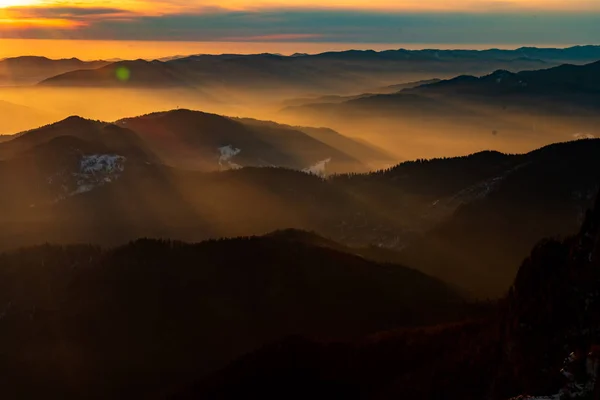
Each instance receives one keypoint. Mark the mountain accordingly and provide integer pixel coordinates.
(98, 133)
(572, 86)
(450, 218)
(192, 139)
(565, 79)
(401, 86)
(544, 194)
(367, 153)
(137, 73)
(30, 70)
(541, 342)
(145, 318)
(209, 142)
(517, 112)
(577, 53)
(340, 99)
(469, 208)
(343, 72)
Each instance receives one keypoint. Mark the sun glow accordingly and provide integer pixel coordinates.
(39, 22)
(16, 3)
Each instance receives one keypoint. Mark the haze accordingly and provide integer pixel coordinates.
(300, 199)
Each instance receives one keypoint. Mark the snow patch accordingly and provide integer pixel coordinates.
(573, 389)
(226, 154)
(319, 168)
(584, 135)
(94, 170)
(101, 163)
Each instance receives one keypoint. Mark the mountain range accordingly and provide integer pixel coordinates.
(572, 87)
(80, 180)
(541, 342)
(292, 315)
(517, 112)
(333, 71)
(333, 254)
(30, 70)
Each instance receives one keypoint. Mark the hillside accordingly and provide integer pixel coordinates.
(453, 218)
(369, 154)
(138, 320)
(483, 243)
(96, 133)
(197, 140)
(541, 343)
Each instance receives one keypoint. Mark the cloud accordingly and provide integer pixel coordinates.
(64, 12)
(269, 38)
(315, 25)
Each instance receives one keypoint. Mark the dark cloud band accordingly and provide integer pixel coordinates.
(325, 26)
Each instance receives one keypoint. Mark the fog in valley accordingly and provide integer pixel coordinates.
(406, 134)
(419, 224)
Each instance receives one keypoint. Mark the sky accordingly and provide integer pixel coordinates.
(326, 21)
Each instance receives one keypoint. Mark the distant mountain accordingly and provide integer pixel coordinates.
(30, 70)
(539, 342)
(343, 72)
(564, 80)
(515, 111)
(564, 89)
(571, 54)
(138, 73)
(401, 86)
(340, 99)
(147, 318)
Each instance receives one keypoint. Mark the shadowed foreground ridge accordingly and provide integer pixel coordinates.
(552, 310)
(142, 319)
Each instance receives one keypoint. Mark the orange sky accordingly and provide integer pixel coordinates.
(28, 13)
(298, 20)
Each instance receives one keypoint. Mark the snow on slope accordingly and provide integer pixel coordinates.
(96, 170)
(318, 169)
(93, 171)
(102, 163)
(574, 389)
(584, 135)
(226, 154)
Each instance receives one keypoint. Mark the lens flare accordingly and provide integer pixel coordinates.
(123, 74)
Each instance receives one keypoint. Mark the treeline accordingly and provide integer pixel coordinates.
(137, 320)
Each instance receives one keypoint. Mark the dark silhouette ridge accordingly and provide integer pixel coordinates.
(551, 310)
(138, 320)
